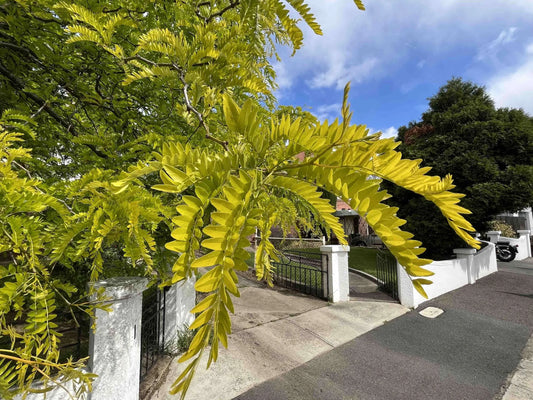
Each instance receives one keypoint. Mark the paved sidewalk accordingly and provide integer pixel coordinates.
(275, 331)
(477, 350)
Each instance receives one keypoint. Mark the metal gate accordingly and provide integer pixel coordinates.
(387, 272)
(302, 271)
(152, 328)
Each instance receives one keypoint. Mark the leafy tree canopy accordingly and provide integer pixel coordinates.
(489, 152)
(155, 146)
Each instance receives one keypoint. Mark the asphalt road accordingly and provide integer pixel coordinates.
(519, 267)
(468, 352)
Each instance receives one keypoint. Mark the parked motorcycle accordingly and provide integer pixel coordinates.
(505, 251)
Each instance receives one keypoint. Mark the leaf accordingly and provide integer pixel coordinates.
(359, 5)
(166, 188)
(202, 319)
(204, 304)
(207, 260)
(209, 281)
(418, 286)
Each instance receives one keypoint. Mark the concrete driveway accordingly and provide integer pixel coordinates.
(478, 349)
(275, 331)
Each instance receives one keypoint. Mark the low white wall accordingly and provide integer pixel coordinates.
(114, 347)
(484, 262)
(523, 242)
(57, 393)
(448, 275)
(180, 300)
(524, 246)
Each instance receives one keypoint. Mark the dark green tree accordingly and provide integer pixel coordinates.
(487, 150)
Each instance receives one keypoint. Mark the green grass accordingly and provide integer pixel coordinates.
(307, 275)
(361, 258)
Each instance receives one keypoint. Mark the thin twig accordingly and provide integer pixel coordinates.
(198, 114)
(232, 4)
(20, 86)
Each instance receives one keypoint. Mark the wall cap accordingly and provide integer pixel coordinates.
(494, 232)
(334, 248)
(524, 232)
(465, 251)
(121, 287)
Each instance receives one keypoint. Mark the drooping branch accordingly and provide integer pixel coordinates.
(232, 4)
(198, 114)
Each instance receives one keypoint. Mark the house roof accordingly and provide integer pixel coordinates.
(342, 205)
(343, 209)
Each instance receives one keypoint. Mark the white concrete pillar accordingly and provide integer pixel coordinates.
(180, 299)
(494, 236)
(525, 233)
(115, 344)
(528, 216)
(467, 254)
(336, 257)
(406, 290)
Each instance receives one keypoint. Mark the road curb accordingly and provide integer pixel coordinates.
(521, 386)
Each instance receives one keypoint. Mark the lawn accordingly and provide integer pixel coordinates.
(360, 258)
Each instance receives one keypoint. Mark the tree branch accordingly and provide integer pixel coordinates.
(232, 4)
(198, 114)
(19, 85)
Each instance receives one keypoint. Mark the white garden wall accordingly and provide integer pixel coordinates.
(523, 242)
(114, 348)
(448, 274)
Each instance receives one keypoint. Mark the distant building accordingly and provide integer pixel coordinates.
(352, 223)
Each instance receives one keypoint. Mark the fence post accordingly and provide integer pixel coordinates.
(115, 344)
(494, 236)
(467, 254)
(337, 266)
(526, 233)
(406, 290)
(180, 300)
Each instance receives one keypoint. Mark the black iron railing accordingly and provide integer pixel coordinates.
(152, 328)
(387, 273)
(74, 331)
(303, 272)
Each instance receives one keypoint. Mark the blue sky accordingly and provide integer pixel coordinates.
(398, 53)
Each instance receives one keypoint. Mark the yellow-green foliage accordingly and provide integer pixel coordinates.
(243, 184)
(236, 169)
(502, 226)
(40, 234)
(27, 291)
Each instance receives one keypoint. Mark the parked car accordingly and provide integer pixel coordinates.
(365, 240)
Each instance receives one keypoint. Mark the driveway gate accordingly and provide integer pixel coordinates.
(152, 328)
(302, 271)
(387, 272)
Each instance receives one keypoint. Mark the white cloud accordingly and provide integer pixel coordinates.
(389, 132)
(328, 111)
(515, 88)
(373, 44)
(491, 49)
(421, 64)
(338, 74)
(283, 79)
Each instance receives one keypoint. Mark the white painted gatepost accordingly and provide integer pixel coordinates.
(335, 260)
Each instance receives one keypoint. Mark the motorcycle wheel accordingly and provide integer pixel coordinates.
(505, 255)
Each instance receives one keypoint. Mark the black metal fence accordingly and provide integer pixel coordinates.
(387, 273)
(516, 222)
(302, 271)
(152, 328)
(74, 331)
